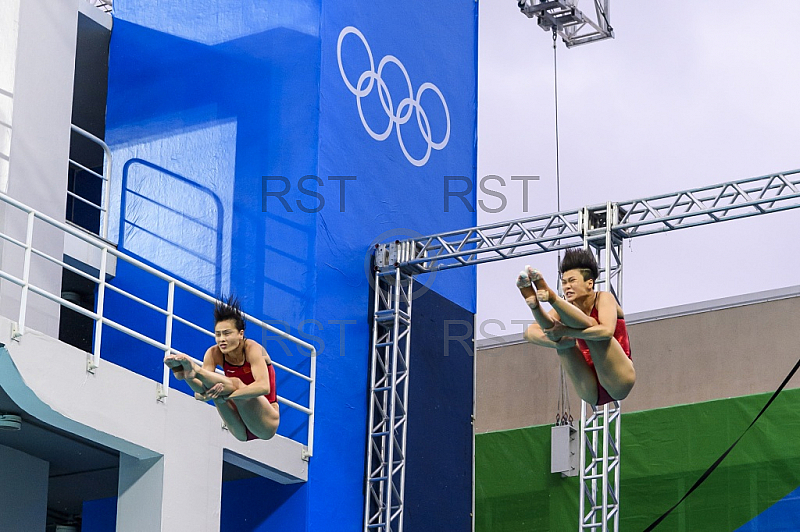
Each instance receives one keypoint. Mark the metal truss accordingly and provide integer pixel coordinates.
(551, 232)
(599, 463)
(600, 429)
(564, 17)
(386, 443)
(602, 228)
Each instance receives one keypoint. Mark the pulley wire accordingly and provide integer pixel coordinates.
(564, 414)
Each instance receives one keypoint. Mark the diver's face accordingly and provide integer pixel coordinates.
(573, 285)
(227, 336)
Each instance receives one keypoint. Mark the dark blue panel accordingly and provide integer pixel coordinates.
(260, 505)
(99, 515)
(438, 494)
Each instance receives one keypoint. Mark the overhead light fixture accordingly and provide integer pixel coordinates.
(10, 422)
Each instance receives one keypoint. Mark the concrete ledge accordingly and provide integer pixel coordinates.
(118, 408)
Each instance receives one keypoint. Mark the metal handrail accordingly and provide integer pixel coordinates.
(100, 320)
(105, 177)
(106, 6)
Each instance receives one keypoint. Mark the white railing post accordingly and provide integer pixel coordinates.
(107, 185)
(26, 273)
(94, 359)
(163, 389)
(311, 400)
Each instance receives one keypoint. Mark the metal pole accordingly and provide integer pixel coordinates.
(26, 274)
(163, 390)
(106, 175)
(312, 397)
(406, 364)
(94, 360)
(390, 411)
(375, 442)
(605, 469)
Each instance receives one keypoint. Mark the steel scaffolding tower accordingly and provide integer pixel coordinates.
(603, 228)
(599, 467)
(600, 426)
(386, 447)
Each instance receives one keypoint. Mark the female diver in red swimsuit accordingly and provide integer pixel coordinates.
(245, 397)
(587, 328)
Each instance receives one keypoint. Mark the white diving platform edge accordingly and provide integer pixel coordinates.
(176, 447)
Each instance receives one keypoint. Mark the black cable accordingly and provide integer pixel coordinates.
(563, 399)
(711, 469)
(602, 12)
(555, 92)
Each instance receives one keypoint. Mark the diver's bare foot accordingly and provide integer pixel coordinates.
(525, 288)
(174, 364)
(545, 293)
(182, 366)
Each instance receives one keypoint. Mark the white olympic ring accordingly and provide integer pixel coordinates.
(400, 115)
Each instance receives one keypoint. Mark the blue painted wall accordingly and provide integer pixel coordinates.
(244, 162)
(435, 42)
(784, 515)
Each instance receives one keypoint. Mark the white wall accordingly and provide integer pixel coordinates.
(9, 21)
(23, 491)
(41, 64)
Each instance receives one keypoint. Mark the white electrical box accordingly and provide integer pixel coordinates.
(564, 450)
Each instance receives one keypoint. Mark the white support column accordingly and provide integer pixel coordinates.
(181, 490)
(139, 498)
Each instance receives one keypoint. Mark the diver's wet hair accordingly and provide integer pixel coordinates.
(229, 309)
(580, 259)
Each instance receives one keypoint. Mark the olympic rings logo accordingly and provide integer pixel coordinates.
(408, 105)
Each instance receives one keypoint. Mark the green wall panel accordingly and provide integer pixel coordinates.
(664, 451)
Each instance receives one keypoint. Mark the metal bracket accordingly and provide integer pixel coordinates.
(595, 223)
(392, 254)
(15, 332)
(304, 454)
(161, 393)
(90, 365)
(563, 17)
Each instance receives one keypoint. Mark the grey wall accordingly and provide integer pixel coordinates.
(23, 491)
(685, 359)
